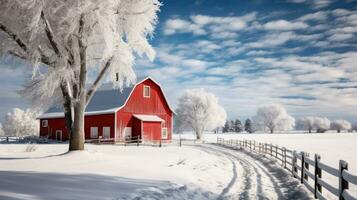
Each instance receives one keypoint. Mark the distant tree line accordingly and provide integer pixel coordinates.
(236, 126)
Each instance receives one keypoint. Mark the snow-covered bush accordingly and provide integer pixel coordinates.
(354, 127)
(321, 124)
(199, 110)
(273, 117)
(21, 123)
(341, 124)
(1, 130)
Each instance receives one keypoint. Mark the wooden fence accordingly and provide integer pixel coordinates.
(308, 170)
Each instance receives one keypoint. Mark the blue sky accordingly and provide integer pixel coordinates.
(299, 53)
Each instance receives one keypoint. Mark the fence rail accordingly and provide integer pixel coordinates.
(300, 164)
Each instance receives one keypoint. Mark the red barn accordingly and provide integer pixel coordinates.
(141, 111)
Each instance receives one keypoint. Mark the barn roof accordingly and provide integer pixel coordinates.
(105, 100)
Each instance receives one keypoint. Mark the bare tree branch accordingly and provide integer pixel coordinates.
(100, 76)
(50, 35)
(15, 37)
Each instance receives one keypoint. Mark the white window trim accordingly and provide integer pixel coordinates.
(146, 86)
(104, 127)
(162, 131)
(44, 123)
(91, 131)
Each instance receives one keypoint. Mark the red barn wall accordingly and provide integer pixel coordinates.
(138, 104)
(99, 121)
(53, 125)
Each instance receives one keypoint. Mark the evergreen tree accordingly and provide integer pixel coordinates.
(248, 126)
(231, 126)
(226, 127)
(238, 126)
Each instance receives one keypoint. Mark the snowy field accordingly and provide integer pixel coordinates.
(331, 146)
(201, 171)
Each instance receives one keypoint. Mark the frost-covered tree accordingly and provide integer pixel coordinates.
(21, 123)
(65, 41)
(199, 110)
(1, 130)
(248, 126)
(308, 123)
(273, 117)
(321, 124)
(341, 124)
(238, 126)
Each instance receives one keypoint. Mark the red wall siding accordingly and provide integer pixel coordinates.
(138, 104)
(99, 121)
(53, 126)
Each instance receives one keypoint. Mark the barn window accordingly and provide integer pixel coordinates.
(44, 123)
(93, 132)
(146, 91)
(106, 132)
(164, 133)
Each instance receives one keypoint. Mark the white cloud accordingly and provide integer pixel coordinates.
(314, 3)
(173, 26)
(316, 16)
(340, 36)
(285, 25)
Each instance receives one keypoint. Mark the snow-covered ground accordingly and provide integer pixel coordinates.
(201, 171)
(332, 147)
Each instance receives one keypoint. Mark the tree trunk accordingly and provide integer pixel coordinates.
(198, 135)
(271, 131)
(338, 131)
(76, 141)
(310, 130)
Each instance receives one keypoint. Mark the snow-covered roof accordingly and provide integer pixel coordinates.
(149, 118)
(104, 101)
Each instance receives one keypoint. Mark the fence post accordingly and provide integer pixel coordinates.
(282, 157)
(271, 150)
(343, 184)
(294, 164)
(302, 167)
(160, 143)
(306, 167)
(276, 151)
(137, 142)
(317, 187)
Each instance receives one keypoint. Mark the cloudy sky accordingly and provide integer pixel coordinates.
(300, 53)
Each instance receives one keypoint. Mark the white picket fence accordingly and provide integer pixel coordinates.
(300, 165)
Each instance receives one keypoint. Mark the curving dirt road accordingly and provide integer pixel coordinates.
(256, 177)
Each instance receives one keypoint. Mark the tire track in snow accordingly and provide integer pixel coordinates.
(248, 175)
(254, 171)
